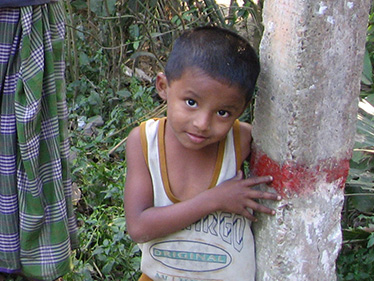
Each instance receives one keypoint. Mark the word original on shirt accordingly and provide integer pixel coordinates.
(201, 257)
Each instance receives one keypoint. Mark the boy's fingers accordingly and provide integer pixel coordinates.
(258, 180)
(239, 175)
(249, 216)
(258, 209)
(261, 194)
(262, 209)
(257, 194)
(269, 196)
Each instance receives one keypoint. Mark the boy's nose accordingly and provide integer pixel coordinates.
(202, 122)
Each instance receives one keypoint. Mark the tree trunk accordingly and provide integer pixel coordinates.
(305, 114)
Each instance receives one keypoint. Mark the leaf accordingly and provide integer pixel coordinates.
(94, 98)
(108, 267)
(121, 222)
(80, 32)
(134, 31)
(370, 99)
(111, 7)
(355, 234)
(362, 203)
(79, 4)
(96, 7)
(97, 251)
(83, 59)
(124, 93)
(371, 241)
(136, 44)
(152, 3)
(367, 73)
(357, 156)
(142, 53)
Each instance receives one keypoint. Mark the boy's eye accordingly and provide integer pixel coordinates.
(191, 103)
(223, 113)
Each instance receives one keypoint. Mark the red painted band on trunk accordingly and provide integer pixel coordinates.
(293, 178)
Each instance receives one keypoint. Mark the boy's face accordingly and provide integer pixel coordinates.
(201, 110)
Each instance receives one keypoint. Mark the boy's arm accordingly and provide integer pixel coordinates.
(146, 222)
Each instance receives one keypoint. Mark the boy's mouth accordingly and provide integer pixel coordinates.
(196, 138)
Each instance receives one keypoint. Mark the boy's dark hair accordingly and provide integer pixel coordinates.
(220, 53)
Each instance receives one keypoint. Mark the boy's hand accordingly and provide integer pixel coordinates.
(237, 196)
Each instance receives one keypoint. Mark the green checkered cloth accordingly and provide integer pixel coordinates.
(37, 224)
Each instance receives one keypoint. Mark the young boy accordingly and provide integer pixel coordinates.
(186, 200)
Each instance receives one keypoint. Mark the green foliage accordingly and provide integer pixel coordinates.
(356, 260)
(356, 264)
(106, 252)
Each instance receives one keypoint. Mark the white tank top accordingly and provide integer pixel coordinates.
(220, 246)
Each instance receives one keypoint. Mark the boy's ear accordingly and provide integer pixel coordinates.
(162, 85)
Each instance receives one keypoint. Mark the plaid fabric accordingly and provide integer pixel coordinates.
(20, 3)
(37, 224)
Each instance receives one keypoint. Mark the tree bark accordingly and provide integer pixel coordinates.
(305, 115)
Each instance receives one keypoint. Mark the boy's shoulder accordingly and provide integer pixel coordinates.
(133, 141)
(137, 137)
(245, 130)
(134, 134)
(245, 139)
